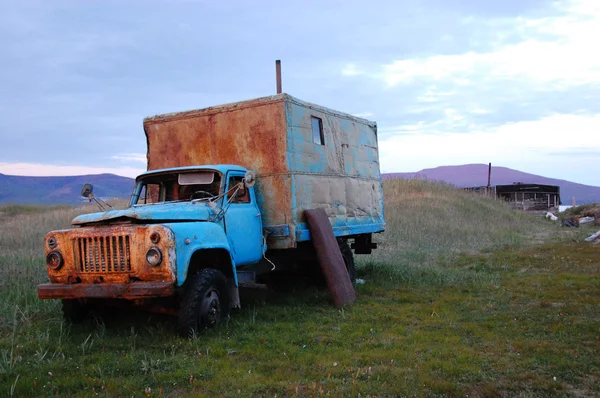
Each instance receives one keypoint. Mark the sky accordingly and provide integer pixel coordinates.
(449, 82)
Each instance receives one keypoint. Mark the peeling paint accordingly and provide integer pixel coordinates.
(77, 259)
(273, 137)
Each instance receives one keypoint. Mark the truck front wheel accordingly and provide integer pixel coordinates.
(205, 302)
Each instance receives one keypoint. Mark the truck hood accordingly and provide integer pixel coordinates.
(178, 211)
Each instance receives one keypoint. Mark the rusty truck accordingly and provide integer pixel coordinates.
(221, 206)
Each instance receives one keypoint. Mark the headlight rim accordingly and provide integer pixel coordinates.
(61, 260)
(160, 256)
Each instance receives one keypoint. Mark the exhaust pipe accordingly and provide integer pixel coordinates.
(278, 73)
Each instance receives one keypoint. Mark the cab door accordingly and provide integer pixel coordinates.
(243, 224)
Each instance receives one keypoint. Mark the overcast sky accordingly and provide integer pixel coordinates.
(512, 82)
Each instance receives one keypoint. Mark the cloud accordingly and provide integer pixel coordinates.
(558, 53)
(351, 70)
(34, 169)
(527, 143)
(131, 157)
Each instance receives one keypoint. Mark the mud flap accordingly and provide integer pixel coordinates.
(330, 258)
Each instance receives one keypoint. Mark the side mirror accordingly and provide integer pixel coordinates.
(86, 190)
(249, 179)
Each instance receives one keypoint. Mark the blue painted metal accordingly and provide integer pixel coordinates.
(221, 168)
(182, 211)
(200, 235)
(347, 163)
(303, 234)
(277, 231)
(243, 226)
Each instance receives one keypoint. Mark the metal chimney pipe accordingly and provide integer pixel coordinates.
(489, 175)
(278, 73)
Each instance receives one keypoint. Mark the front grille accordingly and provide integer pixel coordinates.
(103, 254)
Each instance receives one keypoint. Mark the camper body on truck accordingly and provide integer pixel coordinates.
(222, 206)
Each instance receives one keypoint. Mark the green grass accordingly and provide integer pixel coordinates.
(465, 297)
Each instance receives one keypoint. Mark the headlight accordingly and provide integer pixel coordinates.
(154, 256)
(54, 260)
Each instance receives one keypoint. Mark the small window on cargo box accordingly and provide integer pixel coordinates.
(317, 131)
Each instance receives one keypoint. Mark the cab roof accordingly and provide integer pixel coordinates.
(221, 168)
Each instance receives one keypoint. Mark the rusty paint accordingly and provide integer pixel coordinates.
(130, 291)
(253, 130)
(255, 133)
(273, 136)
(111, 254)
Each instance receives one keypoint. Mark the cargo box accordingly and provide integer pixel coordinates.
(305, 156)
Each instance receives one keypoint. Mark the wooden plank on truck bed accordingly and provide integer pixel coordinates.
(330, 258)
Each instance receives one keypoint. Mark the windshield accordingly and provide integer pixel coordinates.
(171, 187)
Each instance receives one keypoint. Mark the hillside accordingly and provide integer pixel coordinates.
(60, 190)
(472, 175)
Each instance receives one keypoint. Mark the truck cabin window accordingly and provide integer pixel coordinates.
(237, 191)
(178, 187)
(317, 131)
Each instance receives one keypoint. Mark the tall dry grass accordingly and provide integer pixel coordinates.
(430, 224)
(22, 262)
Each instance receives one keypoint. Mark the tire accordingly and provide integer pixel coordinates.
(75, 311)
(348, 259)
(205, 302)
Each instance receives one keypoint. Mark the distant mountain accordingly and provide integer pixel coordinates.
(61, 190)
(66, 190)
(474, 175)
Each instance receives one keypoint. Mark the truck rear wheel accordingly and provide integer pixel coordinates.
(316, 274)
(205, 302)
(348, 259)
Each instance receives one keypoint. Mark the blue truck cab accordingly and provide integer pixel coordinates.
(221, 207)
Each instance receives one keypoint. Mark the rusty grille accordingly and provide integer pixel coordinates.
(103, 254)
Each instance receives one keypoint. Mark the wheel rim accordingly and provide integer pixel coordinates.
(211, 308)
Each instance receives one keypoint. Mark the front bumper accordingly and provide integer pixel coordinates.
(131, 291)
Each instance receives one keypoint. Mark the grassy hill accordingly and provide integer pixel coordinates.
(473, 175)
(60, 190)
(463, 297)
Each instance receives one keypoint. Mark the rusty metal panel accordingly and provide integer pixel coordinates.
(134, 290)
(252, 134)
(330, 258)
(112, 254)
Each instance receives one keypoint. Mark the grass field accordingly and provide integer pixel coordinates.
(463, 297)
